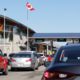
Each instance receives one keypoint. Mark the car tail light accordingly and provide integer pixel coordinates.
(49, 74)
(13, 60)
(56, 75)
(29, 60)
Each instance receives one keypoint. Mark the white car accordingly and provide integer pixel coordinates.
(24, 59)
(41, 58)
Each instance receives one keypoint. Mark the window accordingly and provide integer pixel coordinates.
(70, 55)
(22, 55)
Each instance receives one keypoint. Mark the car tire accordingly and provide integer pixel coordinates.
(33, 69)
(5, 72)
(12, 69)
(36, 68)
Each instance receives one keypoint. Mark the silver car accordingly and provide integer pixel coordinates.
(25, 59)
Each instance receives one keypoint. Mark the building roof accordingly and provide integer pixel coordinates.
(15, 22)
(56, 35)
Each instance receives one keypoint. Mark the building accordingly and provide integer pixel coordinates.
(15, 38)
(50, 41)
(15, 35)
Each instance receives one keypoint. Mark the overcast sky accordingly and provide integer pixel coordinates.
(49, 16)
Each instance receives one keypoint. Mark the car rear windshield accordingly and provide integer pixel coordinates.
(11, 55)
(70, 55)
(40, 55)
(22, 55)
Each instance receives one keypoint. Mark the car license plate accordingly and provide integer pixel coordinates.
(20, 65)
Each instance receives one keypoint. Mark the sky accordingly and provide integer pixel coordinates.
(49, 16)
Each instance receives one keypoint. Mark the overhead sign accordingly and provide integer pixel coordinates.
(61, 39)
(39, 40)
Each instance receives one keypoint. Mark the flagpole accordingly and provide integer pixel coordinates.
(27, 32)
(29, 6)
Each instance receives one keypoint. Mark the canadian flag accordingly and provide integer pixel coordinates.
(29, 6)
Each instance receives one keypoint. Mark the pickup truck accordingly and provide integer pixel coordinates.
(3, 63)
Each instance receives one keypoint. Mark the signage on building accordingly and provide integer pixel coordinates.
(61, 40)
(1, 27)
(39, 40)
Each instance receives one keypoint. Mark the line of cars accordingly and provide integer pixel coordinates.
(36, 58)
(24, 59)
(65, 66)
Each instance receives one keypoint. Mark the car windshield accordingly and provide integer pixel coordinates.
(40, 55)
(70, 55)
(22, 55)
(11, 55)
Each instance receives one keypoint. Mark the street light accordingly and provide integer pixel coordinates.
(4, 28)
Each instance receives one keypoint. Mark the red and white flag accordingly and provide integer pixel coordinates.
(29, 6)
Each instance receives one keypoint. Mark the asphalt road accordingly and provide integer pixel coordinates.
(24, 75)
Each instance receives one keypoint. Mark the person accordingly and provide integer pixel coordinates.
(48, 61)
(49, 58)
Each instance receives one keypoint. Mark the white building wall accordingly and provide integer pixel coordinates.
(17, 42)
(24, 39)
(69, 40)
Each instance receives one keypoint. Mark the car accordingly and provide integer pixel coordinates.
(48, 59)
(9, 57)
(66, 64)
(3, 63)
(24, 59)
(40, 57)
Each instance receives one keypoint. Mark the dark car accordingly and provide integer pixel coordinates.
(66, 64)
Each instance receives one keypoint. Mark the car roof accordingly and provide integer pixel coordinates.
(71, 46)
(27, 51)
(40, 53)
